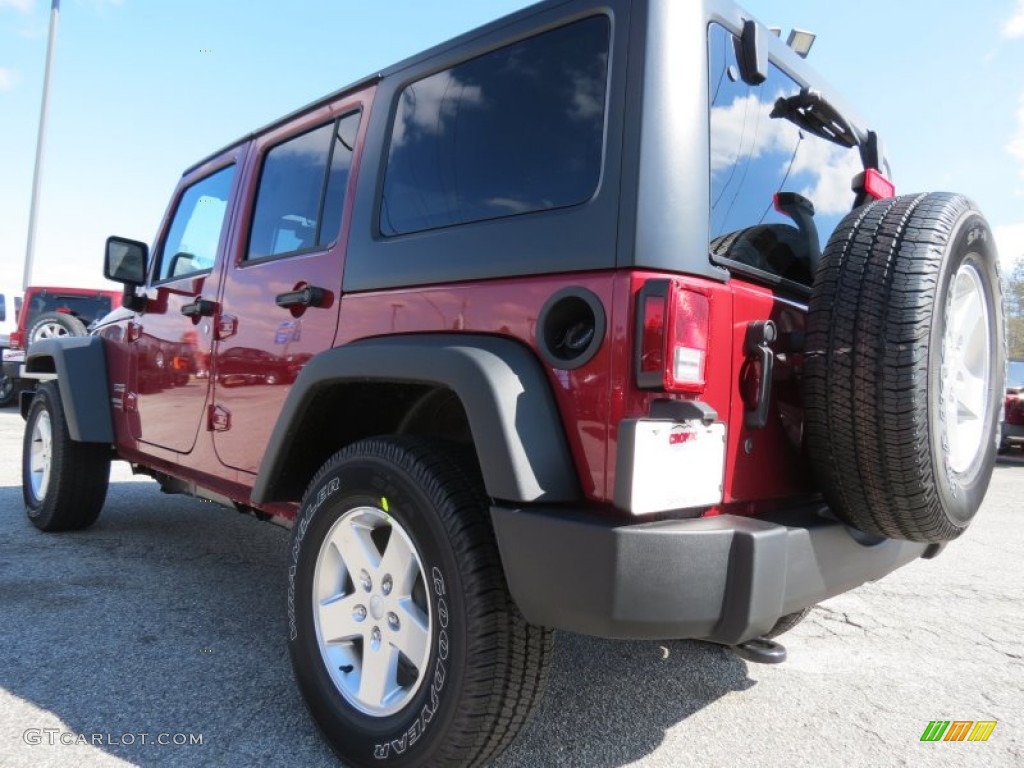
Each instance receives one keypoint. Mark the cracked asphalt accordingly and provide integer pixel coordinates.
(167, 619)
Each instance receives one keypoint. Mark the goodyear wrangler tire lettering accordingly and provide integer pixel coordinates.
(404, 640)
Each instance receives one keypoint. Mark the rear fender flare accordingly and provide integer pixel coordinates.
(505, 393)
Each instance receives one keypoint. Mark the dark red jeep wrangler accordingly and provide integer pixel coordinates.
(603, 317)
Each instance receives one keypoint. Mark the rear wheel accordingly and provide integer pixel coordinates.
(64, 483)
(903, 368)
(404, 640)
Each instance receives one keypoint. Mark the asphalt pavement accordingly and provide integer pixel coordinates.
(157, 638)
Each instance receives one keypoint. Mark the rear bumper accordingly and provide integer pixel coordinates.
(725, 579)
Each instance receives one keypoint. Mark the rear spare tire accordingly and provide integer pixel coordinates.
(52, 325)
(904, 370)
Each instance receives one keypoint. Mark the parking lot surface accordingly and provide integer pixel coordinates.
(164, 624)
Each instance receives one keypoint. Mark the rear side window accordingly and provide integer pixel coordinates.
(754, 156)
(192, 239)
(301, 194)
(517, 130)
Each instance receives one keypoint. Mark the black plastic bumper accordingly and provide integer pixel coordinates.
(725, 579)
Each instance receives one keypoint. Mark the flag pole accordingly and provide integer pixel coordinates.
(33, 211)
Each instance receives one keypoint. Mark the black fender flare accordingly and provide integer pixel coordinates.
(80, 363)
(506, 395)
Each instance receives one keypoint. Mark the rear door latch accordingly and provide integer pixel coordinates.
(756, 373)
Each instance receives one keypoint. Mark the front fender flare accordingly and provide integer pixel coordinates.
(80, 363)
(506, 395)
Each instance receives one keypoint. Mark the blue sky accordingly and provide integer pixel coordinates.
(143, 88)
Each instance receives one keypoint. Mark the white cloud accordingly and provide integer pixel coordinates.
(1010, 242)
(831, 166)
(432, 104)
(19, 5)
(8, 79)
(1014, 26)
(1016, 144)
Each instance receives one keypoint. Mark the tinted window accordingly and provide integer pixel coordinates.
(754, 156)
(17, 305)
(299, 203)
(3, 308)
(85, 308)
(516, 130)
(194, 234)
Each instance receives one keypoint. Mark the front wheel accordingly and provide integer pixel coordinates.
(405, 642)
(64, 483)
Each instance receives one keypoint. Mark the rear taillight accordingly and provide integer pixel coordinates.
(17, 340)
(671, 337)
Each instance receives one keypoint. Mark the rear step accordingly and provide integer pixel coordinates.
(760, 650)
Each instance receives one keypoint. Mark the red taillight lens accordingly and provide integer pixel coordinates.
(17, 340)
(672, 336)
(652, 328)
(876, 185)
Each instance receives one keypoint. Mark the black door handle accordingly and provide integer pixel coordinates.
(310, 296)
(199, 308)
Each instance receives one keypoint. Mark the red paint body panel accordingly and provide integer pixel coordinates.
(774, 467)
(510, 308)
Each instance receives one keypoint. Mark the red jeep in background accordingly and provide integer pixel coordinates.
(50, 312)
(1012, 430)
(604, 317)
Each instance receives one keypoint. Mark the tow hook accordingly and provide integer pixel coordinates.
(760, 650)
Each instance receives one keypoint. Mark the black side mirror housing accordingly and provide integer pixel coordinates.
(125, 263)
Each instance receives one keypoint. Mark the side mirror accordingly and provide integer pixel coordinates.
(125, 263)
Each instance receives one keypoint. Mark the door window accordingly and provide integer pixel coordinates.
(301, 194)
(192, 239)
